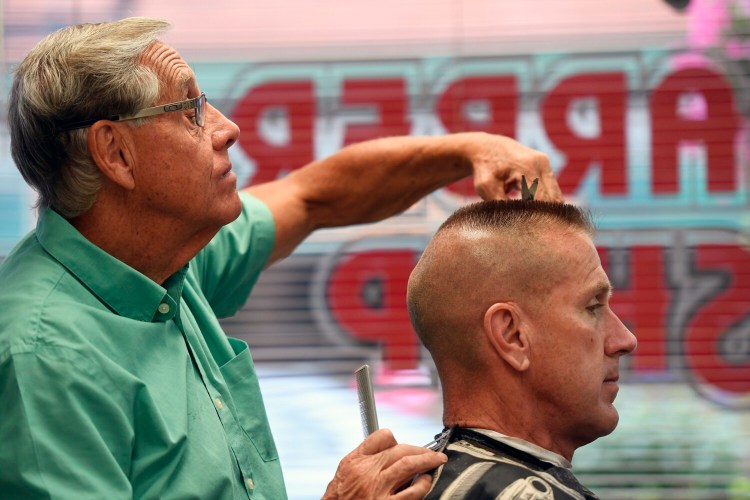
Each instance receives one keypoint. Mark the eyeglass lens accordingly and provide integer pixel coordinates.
(200, 117)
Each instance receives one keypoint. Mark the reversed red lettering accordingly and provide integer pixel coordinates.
(297, 99)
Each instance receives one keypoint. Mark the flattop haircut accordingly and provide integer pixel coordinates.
(483, 253)
(79, 72)
(518, 215)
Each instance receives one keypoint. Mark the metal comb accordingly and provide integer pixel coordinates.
(367, 412)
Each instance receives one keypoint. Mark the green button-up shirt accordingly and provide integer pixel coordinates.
(113, 386)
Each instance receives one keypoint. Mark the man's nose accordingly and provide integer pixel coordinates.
(224, 132)
(621, 340)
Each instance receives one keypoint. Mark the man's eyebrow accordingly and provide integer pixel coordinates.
(603, 287)
(184, 83)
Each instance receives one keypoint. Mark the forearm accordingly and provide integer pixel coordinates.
(370, 181)
(373, 180)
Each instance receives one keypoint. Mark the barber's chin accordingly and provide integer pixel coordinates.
(231, 208)
(237, 207)
(227, 183)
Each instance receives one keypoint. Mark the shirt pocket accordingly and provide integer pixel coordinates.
(242, 382)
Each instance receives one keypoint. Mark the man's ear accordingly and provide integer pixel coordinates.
(502, 326)
(108, 146)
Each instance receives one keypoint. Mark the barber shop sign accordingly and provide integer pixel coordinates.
(652, 142)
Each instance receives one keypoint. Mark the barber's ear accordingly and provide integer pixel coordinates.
(108, 146)
(502, 326)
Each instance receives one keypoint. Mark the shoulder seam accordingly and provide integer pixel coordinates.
(34, 323)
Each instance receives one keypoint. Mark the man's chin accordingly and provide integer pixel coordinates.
(234, 210)
(609, 423)
(604, 423)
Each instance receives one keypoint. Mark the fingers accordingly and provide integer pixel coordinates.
(505, 183)
(376, 442)
(418, 489)
(499, 162)
(512, 188)
(537, 166)
(549, 189)
(407, 461)
(378, 467)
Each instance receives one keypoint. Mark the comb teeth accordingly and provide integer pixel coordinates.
(367, 412)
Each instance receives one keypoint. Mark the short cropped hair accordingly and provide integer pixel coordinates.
(77, 73)
(519, 224)
(518, 215)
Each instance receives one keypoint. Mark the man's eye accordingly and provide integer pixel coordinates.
(593, 307)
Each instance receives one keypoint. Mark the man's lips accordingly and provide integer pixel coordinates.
(227, 170)
(612, 378)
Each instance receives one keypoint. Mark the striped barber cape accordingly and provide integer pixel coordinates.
(483, 464)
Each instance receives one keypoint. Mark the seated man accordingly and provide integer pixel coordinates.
(511, 300)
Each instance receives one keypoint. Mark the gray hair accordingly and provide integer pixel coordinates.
(78, 72)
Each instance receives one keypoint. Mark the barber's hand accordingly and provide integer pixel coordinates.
(379, 466)
(499, 162)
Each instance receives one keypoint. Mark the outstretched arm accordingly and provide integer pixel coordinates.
(372, 180)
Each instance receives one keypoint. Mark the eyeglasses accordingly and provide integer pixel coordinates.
(197, 103)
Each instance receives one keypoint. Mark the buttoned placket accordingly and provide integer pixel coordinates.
(226, 417)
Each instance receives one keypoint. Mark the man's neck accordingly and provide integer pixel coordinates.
(525, 446)
(154, 246)
(518, 418)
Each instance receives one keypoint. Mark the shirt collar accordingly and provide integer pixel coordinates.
(122, 288)
(523, 445)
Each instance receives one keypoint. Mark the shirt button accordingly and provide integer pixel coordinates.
(250, 484)
(219, 404)
(164, 308)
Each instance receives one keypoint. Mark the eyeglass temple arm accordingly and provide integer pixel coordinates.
(157, 110)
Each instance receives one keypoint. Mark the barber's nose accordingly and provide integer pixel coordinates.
(224, 131)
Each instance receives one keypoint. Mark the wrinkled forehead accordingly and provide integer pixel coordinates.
(176, 77)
